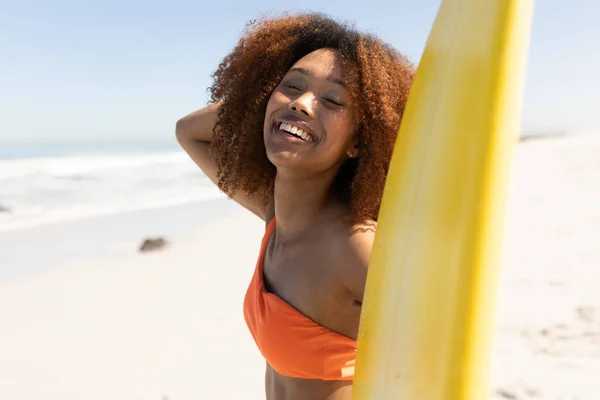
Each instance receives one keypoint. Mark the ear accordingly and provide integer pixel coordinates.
(353, 151)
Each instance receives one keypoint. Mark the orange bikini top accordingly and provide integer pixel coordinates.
(293, 344)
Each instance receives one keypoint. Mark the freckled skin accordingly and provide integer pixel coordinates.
(324, 105)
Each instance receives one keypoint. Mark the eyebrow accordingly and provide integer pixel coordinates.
(308, 73)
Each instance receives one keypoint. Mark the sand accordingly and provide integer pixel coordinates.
(164, 325)
(548, 336)
(102, 321)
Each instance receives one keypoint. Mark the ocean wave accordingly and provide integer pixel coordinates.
(85, 165)
(26, 217)
(55, 189)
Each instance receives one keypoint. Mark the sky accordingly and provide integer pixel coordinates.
(82, 71)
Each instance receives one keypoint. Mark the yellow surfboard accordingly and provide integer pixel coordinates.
(428, 313)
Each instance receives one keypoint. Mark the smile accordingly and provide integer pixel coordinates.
(295, 131)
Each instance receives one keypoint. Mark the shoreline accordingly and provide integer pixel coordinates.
(100, 236)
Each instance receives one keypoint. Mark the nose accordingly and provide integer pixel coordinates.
(303, 104)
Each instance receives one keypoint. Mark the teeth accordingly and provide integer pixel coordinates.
(294, 130)
(303, 135)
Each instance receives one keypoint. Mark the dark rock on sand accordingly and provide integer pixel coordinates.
(153, 244)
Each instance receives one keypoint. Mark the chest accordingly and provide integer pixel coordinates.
(306, 281)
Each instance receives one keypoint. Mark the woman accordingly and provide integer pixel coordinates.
(300, 132)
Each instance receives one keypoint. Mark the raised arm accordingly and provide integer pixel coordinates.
(194, 134)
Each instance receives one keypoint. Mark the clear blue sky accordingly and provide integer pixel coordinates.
(106, 70)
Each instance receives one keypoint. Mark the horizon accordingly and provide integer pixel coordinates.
(171, 141)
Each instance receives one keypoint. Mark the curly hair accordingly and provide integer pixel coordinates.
(379, 80)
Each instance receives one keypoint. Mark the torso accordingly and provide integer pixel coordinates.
(279, 387)
(308, 278)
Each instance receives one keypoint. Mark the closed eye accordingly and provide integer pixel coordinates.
(293, 87)
(333, 102)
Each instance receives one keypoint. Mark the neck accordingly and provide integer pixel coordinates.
(299, 203)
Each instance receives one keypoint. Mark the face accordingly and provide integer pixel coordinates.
(309, 123)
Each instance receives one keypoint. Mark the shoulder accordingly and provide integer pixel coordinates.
(350, 251)
(356, 242)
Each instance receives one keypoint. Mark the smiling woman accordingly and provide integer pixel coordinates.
(377, 81)
(305, 115)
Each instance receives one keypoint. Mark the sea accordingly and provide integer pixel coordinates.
(46, 183)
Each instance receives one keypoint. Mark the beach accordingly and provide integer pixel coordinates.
(85, 315)
(548, 331)
(161, 325)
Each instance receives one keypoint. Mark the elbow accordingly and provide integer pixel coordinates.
(180, 128)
